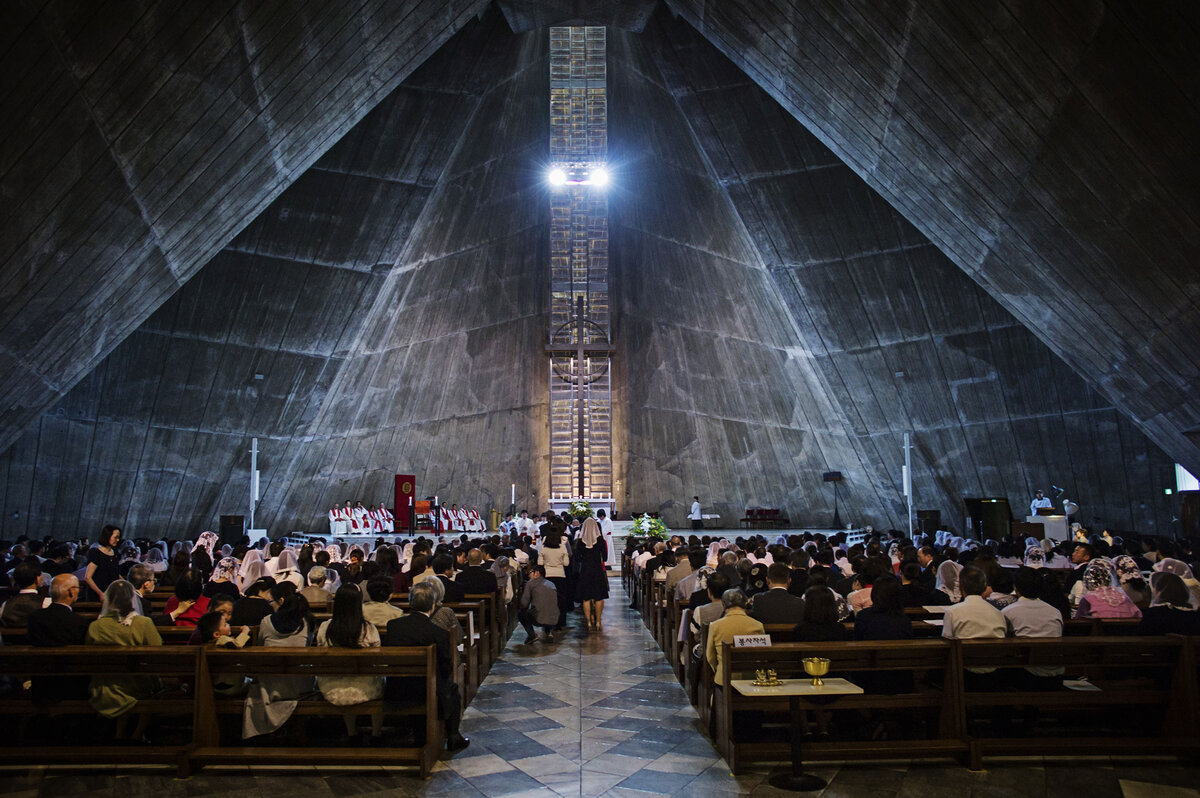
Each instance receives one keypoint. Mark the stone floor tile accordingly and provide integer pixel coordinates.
(611, 763)
(546, 765)
(509, 783)
(682, 763)
(593, 784)
(656, 782)
(480, 766)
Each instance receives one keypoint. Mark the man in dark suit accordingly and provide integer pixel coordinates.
(777, 605)
(443, 568)
(415, 629)
(914, 593)
(54, 626)
(798, 562)
(476, 579)
(928, 562)
(27, 577)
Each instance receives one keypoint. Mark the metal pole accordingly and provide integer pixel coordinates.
(908, 480)
(253, 478)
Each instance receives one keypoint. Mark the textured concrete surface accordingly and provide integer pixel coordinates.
(782, 309)
(1045, 148)
(139, 138)
(896, 336)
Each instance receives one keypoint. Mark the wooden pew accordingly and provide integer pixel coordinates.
(175, 666)
(209, 746)
(1145, 678)
(1152, 680)
(919, 657)
(171, 635)
(470, 614)
(491, 641)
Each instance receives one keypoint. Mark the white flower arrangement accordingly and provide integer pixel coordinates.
(646, 527)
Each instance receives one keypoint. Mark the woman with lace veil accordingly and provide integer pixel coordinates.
(224, 579)
(714, 555)
(288, 569)
(154, 560)
(1130, 579)
(251, 570)
(947, 580)
(333, 571)
(1101, 597)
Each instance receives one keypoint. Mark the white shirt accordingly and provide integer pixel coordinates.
(1036, 503)
(1028, 617)
(695, 512)
(973, 618)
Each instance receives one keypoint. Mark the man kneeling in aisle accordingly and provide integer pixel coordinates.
(539, 605)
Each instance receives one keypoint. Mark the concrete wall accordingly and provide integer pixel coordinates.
(139, 138)
(902, 339)
(1046, 148)
(775, 318)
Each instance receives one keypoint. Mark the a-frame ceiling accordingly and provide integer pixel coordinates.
(1047, 148)
(139, 138)
(145, 157)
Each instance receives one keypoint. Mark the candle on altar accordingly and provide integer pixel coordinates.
(514, 493)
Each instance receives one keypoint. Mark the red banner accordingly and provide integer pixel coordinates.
(406, 494)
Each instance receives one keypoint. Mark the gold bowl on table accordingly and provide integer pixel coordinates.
(816, 667)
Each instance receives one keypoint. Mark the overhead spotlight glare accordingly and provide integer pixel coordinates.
(557, 177)
(599, 177)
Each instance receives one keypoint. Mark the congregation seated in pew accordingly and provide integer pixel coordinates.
(199, 607)
(1020, 603)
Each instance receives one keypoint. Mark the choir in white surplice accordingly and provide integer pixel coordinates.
(464, 519)
(360, 520)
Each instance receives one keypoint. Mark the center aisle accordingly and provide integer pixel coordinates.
(592, 714)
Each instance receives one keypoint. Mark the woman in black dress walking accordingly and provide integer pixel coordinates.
(591, 552)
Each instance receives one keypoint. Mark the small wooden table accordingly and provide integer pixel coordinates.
(796, 689)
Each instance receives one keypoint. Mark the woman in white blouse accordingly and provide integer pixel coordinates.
(555, 557)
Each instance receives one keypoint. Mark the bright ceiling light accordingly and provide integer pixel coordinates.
(599, 177)
(557, 177)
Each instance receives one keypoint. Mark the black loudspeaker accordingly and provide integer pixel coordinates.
(928, 521)
(832, 476)
(232, 529)
(990, 517)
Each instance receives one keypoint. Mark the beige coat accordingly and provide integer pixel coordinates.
(722, 630)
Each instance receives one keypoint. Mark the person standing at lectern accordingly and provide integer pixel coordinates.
(694, 514)
(1039, 500)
